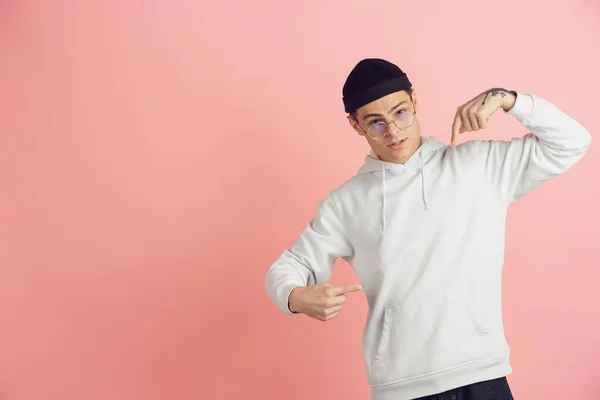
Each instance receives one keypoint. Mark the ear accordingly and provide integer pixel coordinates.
(414, 99)
(354, 125)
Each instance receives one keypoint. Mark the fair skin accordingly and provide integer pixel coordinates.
(324, 301)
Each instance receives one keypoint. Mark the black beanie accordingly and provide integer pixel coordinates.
(371, 79)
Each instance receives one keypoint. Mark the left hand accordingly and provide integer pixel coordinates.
(474, 115)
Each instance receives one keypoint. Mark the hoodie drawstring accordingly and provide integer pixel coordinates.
(423, 192)
(383, 208)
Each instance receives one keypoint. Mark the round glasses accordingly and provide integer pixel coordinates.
(403, 120)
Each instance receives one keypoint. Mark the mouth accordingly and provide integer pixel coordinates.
(397, 145)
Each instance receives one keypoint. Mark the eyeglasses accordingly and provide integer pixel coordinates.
(403, 120)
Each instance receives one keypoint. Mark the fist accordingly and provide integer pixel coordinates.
(321, 301)
(474, 114)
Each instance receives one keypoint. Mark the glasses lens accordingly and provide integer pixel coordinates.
(377, 130)
(404, 120)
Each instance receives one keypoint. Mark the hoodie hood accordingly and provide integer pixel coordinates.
(373, 164)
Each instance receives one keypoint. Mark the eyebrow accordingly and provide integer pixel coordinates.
(379, 115)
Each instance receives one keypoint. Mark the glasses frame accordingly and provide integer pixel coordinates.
(387, 124)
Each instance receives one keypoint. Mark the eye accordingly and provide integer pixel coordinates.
(400, 112)
(373, 122)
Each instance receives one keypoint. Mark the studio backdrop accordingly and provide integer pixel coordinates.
(157, 157)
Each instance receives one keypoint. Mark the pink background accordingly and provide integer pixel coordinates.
(156, 157)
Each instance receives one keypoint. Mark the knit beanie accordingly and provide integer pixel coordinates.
(371, 79)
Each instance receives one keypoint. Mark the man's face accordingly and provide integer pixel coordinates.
(391, 143)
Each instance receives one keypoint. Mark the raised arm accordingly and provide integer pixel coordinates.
(554, 144)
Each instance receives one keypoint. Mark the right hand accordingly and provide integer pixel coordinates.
(322, 301)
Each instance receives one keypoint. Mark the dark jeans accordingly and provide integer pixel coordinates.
(495, 389)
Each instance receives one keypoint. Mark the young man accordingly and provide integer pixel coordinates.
(423, 224)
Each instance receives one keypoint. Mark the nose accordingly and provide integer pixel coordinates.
(392, 129)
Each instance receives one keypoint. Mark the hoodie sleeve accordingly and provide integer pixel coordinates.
(554, 144)
(311, 258)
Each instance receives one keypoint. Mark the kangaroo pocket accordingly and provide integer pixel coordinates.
(429, 336)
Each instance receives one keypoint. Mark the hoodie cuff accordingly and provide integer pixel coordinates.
(523, 107)
(285, 298)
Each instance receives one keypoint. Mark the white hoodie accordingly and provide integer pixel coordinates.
(426, 240)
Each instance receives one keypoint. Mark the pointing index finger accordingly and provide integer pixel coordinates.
(455, 128)
(346, 289)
